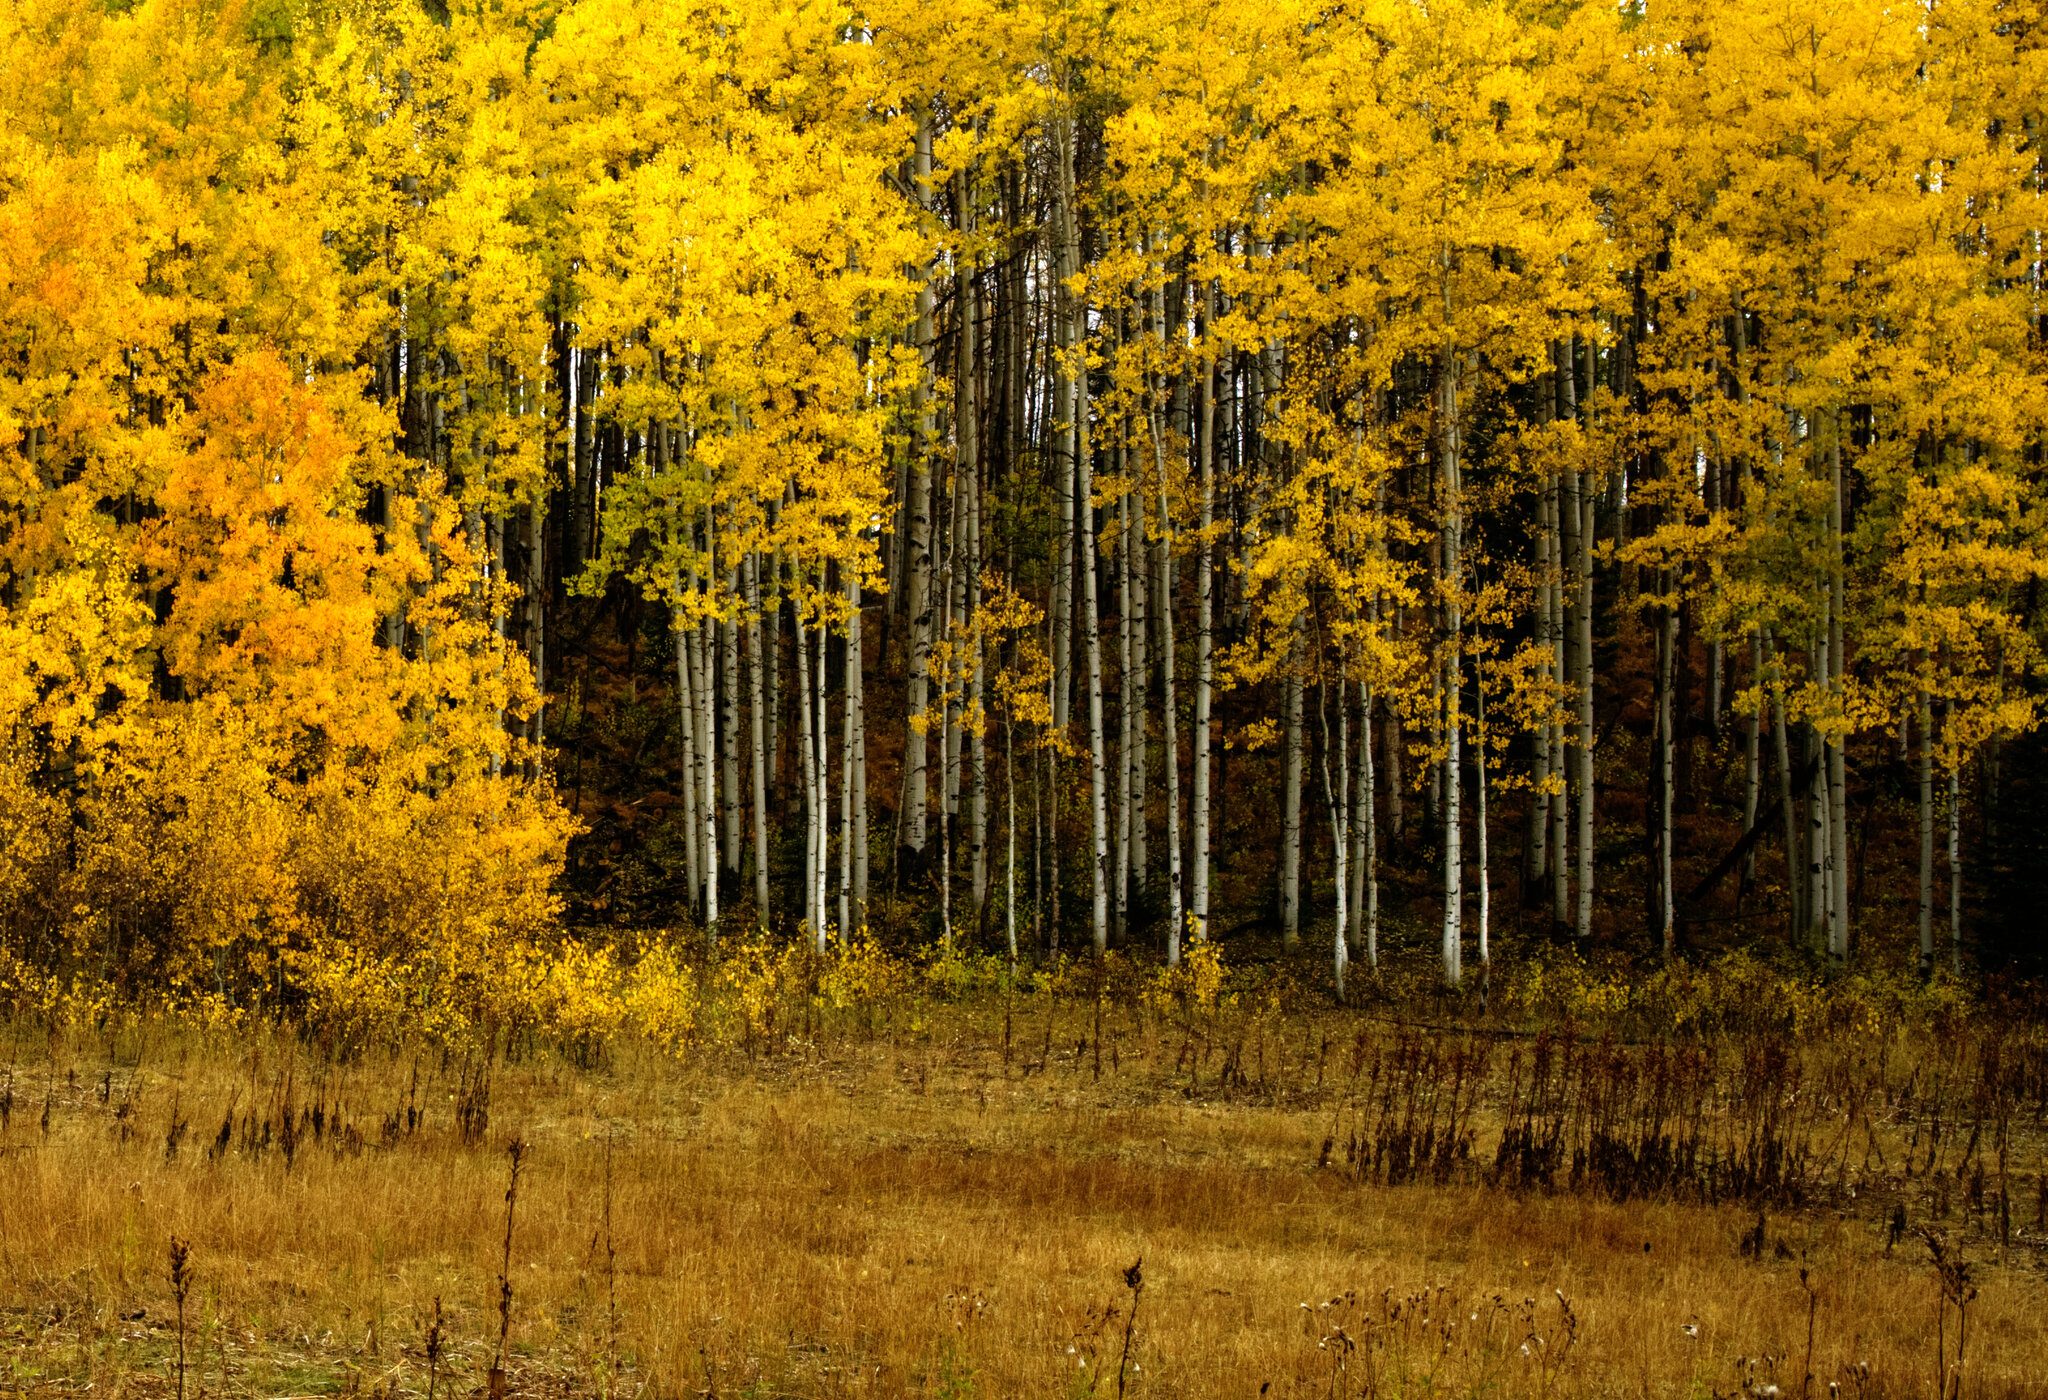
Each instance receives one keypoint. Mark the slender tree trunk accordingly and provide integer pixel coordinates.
(1752, 760)
(771, 620)
(1338, 799)
(1129, 708)
(1479, 756)
(1205, 584)
(1370, 822)
(534, 541)
(1819, 884)
(1010, 841)
(807, 766)
(1925, 718)
(758, 733)
(1564, 522)
(911, 813)
(707, 771)
(1667, 646)
(1290, 815)
(686, 730)
(729, 733)
(945, 881)
(1955, 842)
(1396, 739)
(967, 475)
(1781, 741)
(821, 764)
(856, 704)
(1085, 550)
(1583, 927)
(1138, 688)
(1061, 643)
(851, 653)
(1357, 814)
(1169, 700)
(1838, 786)
(1450, 721)
(952, 626)
(1536, 862)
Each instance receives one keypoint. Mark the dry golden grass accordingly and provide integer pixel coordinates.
(893, 1214)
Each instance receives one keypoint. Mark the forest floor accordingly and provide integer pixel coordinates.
(951, 1204)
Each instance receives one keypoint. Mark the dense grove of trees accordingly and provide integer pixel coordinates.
(1098, 472)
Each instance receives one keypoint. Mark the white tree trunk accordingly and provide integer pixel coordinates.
(1338, 798)
(686, 729)
(846, 755)
(1371, 824)
(707, 769)
(1073, 333)
(911, 814)
(856, 703)
(1205, 659)
(729, 733)
(1583, 926)
(1564, 525)
(1788, 802)
(1130, 706)
(1290, 815)
(1169, 701)
(814, 914)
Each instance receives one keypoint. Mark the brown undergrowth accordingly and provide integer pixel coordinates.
(952, 1200)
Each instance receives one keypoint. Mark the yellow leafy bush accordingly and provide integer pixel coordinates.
(860, 972)
(660, 999)
(1194, 985)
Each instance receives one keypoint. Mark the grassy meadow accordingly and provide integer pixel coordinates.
(1039, 1188)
